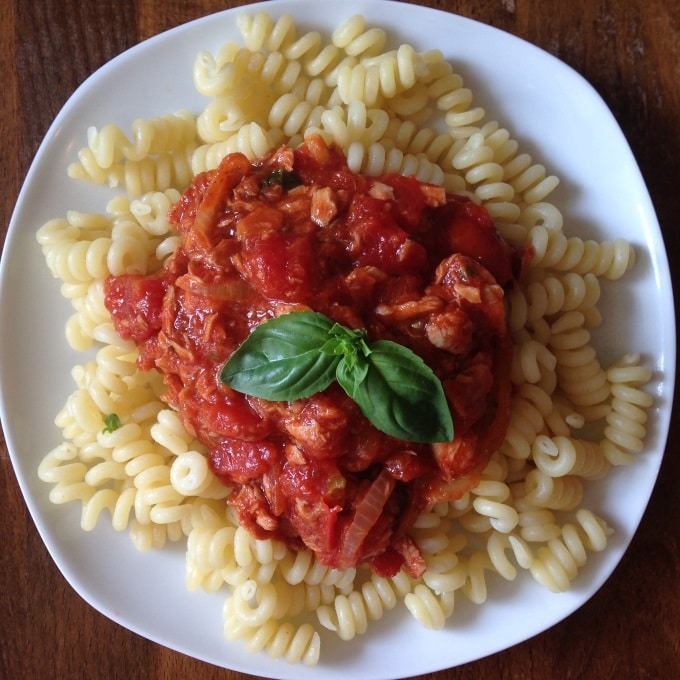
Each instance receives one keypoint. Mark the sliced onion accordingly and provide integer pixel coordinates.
(367, 513)
(229, 173)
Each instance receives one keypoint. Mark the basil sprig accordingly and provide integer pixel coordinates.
(298, 354)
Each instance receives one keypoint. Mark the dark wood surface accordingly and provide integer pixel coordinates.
(629, 50)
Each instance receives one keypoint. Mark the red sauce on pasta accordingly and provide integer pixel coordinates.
(392, 255)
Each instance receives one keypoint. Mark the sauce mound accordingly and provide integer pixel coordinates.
(297, 230)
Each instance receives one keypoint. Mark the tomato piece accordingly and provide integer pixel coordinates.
(136, 304)
(409, 201)
(375, 239)
(406, 465)
(469, 229)
(280, 266)
(229, 416)
(321, 165)
(235, 460)
(387, 564)
(312, 481)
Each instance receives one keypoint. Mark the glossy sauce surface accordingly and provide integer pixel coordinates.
(391, 255)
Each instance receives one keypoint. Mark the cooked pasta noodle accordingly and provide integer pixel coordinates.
(126, 454)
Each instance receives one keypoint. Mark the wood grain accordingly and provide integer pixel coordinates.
(629, 50)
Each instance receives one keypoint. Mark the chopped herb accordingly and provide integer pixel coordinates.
(112, 423)
(288, 180)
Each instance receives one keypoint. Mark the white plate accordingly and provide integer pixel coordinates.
(557, 117)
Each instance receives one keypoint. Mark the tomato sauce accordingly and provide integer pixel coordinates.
(298, 230)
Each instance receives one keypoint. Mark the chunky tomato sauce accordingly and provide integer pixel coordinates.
(298, 230)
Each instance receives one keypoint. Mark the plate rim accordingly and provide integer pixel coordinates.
(49, 140)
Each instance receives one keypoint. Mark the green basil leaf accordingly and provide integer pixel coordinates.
(281, 360)
(351, 372)
(402, 397)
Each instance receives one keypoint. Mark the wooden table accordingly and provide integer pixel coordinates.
(630, 51)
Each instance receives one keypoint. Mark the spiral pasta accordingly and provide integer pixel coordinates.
(155, 158)
(349, 614)
(279, 639)
(578, 369)
(625, 431)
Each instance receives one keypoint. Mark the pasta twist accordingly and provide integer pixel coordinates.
(253, 85)
(557, 563)
(530, 406)
(502, 516)
(120, 505)
(579, 371)
(560, 456)
(159, 173)
(61, 468)
(376, 159)
(349, 614)
(484, 176)
(529, 179)
(352, 36)
(303, 566)
(445, 571)
(451, 97)
(431, 533)
(461, 116)
(260, 32)
(537, 524)
(190, 476)
(384, 78)
(90, 314)
(552, 249)
(427, 608)
(278, 639)
(625, 430)
(110, 146)
(476, 566)
(151, 210)
(439, 148)
(219, 551)
(152, 137)
(534, 363)
(153, 536)
(492, 188)
(210, 559)
(488, 500)
(555, 493)
(210, 76)
(356, 123)
(79, 261)
(554, 294)
(252, 140)
(293, 115)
